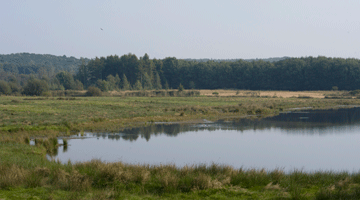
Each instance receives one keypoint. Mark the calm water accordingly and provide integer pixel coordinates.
(308, 140)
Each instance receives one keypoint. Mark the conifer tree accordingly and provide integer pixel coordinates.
(137, 85)
(157, 82)
(125, 83)
(147, 82)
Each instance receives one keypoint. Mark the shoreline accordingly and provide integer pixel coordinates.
(121, 180)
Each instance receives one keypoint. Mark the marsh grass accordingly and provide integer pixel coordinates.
(36, 114)
(65, 142)
(43, 119)
(25, 166)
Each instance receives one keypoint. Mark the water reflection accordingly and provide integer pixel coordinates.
(313, 140)
(295, 122)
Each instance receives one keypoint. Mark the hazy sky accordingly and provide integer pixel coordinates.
(182, 29)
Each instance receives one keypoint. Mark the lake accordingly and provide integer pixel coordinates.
(308, 140)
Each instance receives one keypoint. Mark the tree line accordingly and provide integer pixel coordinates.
(294, 74)
(129, 72)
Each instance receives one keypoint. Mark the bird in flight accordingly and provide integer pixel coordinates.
(101, 29)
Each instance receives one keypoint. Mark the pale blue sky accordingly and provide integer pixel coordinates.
(183, 29)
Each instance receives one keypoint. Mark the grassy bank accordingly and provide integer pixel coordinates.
(26, 173)
(34, 114)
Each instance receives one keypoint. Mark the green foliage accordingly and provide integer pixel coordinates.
(297, 74)
(147, 82)
(215, 93)
(157, 82)
(27, 63)
(66, 80)
(113, 82)
(4, 88)
(93, 91)
(137, 86)
(191, 85)
(181, 88)
(102, 85)
(35, 87)
(125, 83)
(354, 92)
(166, 86)
(78, 85)
(15, 88)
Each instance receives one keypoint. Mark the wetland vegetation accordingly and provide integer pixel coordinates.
(128, 91)
(26, 172)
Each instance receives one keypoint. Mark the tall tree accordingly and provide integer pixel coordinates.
(125, 83)
(157, 81)
(65, 79)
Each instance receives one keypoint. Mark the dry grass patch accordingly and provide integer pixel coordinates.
(281, 94)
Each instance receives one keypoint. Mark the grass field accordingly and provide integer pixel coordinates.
(25, 172)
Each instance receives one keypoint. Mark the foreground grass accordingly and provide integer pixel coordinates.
(25, 173)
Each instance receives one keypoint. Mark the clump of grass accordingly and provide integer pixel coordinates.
(304, 97)
(11, 176)
(93, 91)
(99, 119)
(215, 93)
(27, 140)
(54, 142)
(38, 141)
(15, 101)
(65, 142)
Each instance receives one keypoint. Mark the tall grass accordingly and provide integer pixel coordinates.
(110, 113)
(22, 165)
(25, 166)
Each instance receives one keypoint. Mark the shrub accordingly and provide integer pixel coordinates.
(137, 85)
(102, 85)
(354, 92)
(4, 88)
(65, 79)
(181, 87)
(93, 91)
(78, 85)
(15, 88)
(35, 87)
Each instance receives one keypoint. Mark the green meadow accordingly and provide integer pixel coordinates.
(26, 173)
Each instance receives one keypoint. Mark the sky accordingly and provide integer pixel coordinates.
(226, 29)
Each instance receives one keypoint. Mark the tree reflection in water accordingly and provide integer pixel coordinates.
(304, 122)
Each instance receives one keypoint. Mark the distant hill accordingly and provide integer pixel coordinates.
(30, 63)
(275, 59)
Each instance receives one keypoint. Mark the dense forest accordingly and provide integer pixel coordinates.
(128, 72)
(37, 65)
(306, 73)
(275, 59)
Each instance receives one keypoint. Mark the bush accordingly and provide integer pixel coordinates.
(78, 85)
(354, 92)
(4, 88)
(93, 91)
(66, 80)
(35, 87)
(181, 87)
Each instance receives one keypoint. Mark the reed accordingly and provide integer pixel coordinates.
(65, 142)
